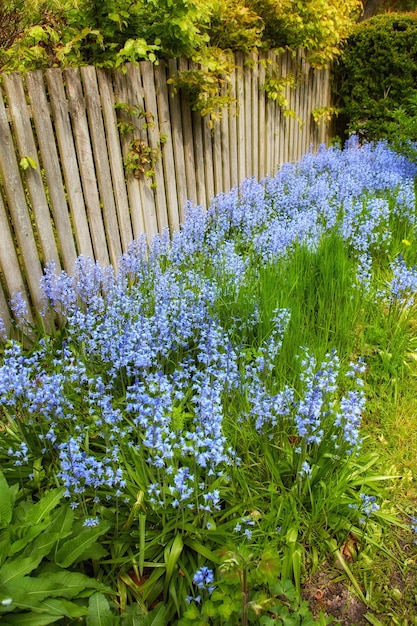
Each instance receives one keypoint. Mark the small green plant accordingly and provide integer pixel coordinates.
(38, 543)
(249, 591)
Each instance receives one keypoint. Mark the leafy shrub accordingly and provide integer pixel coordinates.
(38, 543)
(376, 74)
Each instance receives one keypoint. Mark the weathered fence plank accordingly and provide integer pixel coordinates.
(101, 161)
(178, 144)
(170, 181)
(88, 173)
(9, 264)
(107, 100)
(26, 146)
(50, 161)
(68, 159)
(16, 200)
(154, 135)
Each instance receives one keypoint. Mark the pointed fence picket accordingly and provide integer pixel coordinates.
(64, 186)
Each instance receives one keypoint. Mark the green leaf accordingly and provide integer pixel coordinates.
(43, 508)
(63, 608)
(171, 555)
(19, 567)
(157, 616)
(201, 549)
(6, 509)
(74, 547)
(99, 613)
(70, 584)
(29, 619)
(27, 162)
(30, 535)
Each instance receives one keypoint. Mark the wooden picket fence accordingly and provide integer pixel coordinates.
(64, 189)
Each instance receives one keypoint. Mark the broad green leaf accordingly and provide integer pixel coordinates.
(29, 619)
(62, 521)
(42, 509)
(19, 567)
(74, 547)
(30, 535)
(70, 584)
(62, 607)
(99, 613)
(6, 509)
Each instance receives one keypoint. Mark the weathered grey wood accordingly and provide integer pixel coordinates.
(69, 163)
(219, 184)
(154, 134)
(101, 161)
(255, 114)
(240, 94)
(198, 158)
(26, 146)
(208, 160)
(15, 195)
(187, 131)
(269, 122)
(233, 122)
(131, 94)
(171, 193)
(262, 171)
(178, 143)
(10, 266)
(248, 118)
(50, 160)
(115, 157)
(5, 315)
(224, 151)
(86, 164)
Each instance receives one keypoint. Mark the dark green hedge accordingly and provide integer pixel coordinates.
(376, 74)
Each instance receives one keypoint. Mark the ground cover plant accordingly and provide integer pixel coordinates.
(187, 446)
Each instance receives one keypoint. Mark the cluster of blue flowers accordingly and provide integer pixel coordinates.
(148, 367)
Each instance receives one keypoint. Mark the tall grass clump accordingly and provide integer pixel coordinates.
(198, 415)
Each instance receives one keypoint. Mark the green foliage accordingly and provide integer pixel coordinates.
(38, 542)
(377, 75)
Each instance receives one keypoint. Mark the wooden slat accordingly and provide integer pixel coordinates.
(224, 150)
(5, 314)
(248, 117)
(149, 95)
(208, 160)
(115, 157)
(26, 146)
(255, 114)
(130, 92)
(9, 262)
(86, 166)
(68, 159)
(217, 158)
(178, 144)
(101, 161)
(50, 161)
(15, 195)
(198, 160)
(261, 118)
(187, 131)
(233, 125)
(168, 162)
(240, 94)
